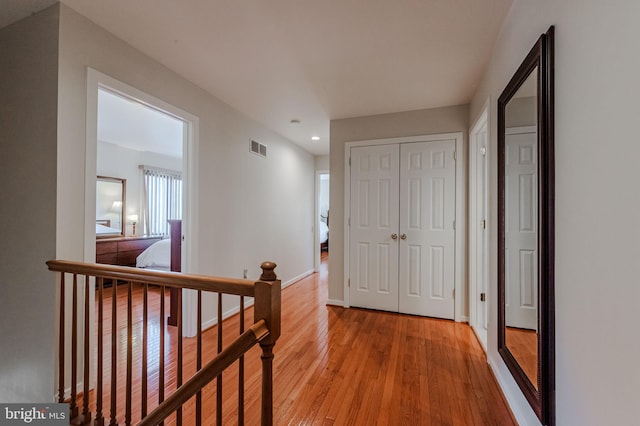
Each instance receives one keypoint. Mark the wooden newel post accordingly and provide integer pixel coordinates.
(267, 307)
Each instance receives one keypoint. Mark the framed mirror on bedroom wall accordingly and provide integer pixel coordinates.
(526, 313)
(110, 206)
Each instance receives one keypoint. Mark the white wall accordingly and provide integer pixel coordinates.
(597, 202)
(28, 84)
(250, 209)
(411, 123)
(322, 162)
(120, 162)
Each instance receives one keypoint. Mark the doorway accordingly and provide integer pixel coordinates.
(405, 225)
(189, 125)
(322, 217)
(478, 222)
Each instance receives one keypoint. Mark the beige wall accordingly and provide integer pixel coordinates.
(245, 201)
(521, 112)
(247, 209)
(597, 202)
(29, 88)
(322, 162)
(411, 123)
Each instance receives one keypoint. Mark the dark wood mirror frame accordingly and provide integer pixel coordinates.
(542, 397)
(122, 200)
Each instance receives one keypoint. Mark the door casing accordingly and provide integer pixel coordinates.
(478, 250)
(96, 79)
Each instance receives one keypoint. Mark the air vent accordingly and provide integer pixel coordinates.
(258, 148)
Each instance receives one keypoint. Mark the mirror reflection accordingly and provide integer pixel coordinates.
(110, 206)
(521, 223)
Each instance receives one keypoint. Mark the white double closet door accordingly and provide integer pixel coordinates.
(402, 228)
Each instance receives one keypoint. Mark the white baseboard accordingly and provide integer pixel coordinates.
(334, 302)
(249, 302)
(298, 278)
(515, 399)
(226, 314)
(67, 391)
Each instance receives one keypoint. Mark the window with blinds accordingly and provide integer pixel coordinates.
(162, 199)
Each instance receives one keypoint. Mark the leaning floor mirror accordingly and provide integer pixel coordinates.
(526, 339)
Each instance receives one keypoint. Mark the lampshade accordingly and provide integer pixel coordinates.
(116, 206)
(133, 217)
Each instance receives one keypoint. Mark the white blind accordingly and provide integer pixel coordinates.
(163, 199)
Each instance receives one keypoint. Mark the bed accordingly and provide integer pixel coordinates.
(157, 256)
(324, 232)
(103, 228)
(165, 255)
(324, 236)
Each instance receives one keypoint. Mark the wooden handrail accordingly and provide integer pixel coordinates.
(233, 286)
(228, 356)
(264, 331)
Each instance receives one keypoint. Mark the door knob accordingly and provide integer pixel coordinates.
(394, 236)
(403, 236)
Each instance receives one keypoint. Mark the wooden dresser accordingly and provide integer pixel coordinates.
(122, 251)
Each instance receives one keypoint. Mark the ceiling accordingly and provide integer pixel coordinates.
(126, 122)
(312, 61)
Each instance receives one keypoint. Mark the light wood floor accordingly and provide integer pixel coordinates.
(336, 366)
(523, 344)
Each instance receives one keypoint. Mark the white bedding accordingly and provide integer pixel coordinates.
(105, 230)
(156, 256)
(324, 232)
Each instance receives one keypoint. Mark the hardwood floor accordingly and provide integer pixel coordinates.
(336, 366)
(523, 344)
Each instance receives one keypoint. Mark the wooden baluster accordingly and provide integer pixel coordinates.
(161, 350)
(74, 348)
(129, 353)
(145, 344)
(61, 342)
(241, 370)
(267, 384)
(219, 378)
(179, 366)
(199, 358)
(99, 416)
(267, 307)
(114, 351)
(86, 415)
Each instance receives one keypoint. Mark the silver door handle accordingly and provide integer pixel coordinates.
(403, 236)
(394, 236)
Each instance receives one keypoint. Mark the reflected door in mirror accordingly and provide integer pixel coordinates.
(521, 223)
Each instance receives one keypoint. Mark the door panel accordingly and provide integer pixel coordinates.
(374, 218)
(478, 221)
(482, 230)
(427, 213)
(521, 296)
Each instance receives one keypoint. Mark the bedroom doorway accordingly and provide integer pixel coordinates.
(322, 217)
(131, 134)
(175, 161)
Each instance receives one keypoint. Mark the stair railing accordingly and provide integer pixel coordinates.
(88, 405)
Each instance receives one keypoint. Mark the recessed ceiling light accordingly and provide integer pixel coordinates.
(315, 138)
